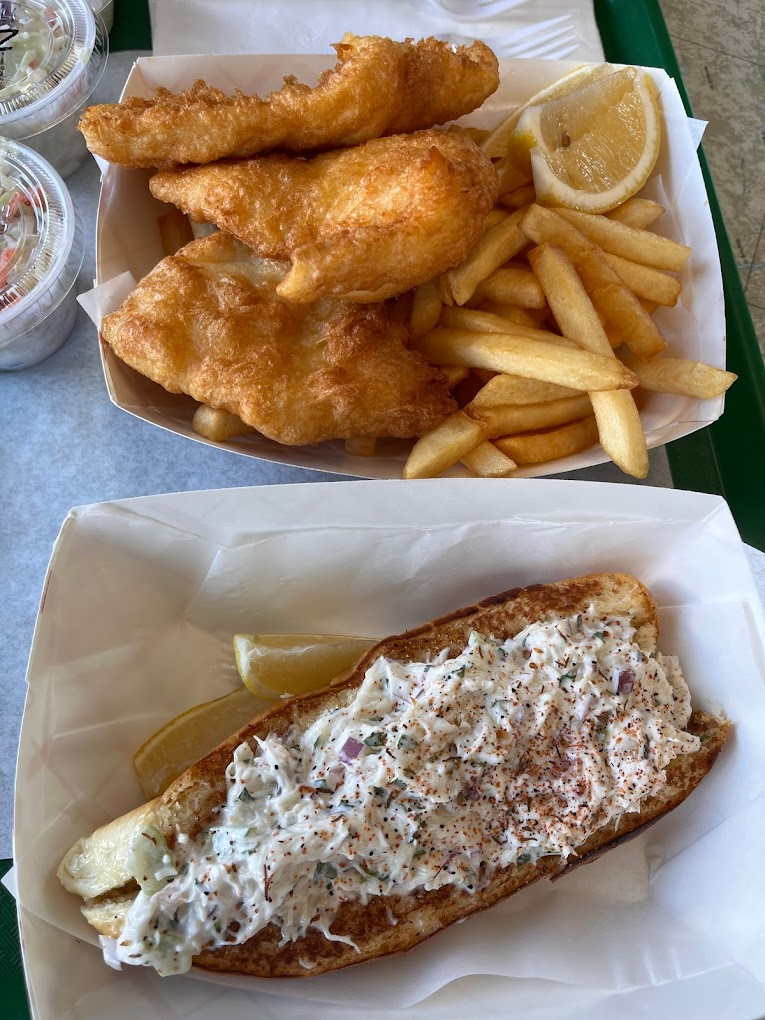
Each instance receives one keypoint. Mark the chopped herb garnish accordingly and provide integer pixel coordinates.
(324, 872)
(524, 858)
(376, 739)
(406, 743)
(379, 790)
(705, 737)
(245, 795)
(460, 672)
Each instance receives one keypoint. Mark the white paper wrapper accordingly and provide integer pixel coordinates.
(128, 241)
(141, 602)
(259, 26)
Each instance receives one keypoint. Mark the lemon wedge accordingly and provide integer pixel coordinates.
(270, 665)
(594, 148)
(189, 736)
(495, 145)
(275, 664)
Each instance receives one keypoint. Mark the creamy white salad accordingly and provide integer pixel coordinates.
(437, 773)
(52, 58)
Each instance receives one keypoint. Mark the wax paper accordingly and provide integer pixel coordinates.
(143, 597)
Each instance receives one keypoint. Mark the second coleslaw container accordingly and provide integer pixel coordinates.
(53, 56)
(41, 250)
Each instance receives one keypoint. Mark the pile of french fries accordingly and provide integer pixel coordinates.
(546, 336)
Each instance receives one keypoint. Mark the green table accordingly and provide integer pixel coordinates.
(717, 459)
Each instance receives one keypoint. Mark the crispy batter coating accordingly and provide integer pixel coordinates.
(378, 87)
(363, 223)
(207, 322)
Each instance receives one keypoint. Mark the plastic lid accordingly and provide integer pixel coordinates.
(52, 53)
(36, 237)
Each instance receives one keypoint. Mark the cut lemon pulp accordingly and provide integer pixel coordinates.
(595, 148)
(190, 736)
(496, 143)
(275, 664)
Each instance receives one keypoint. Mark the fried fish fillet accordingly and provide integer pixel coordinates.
(207, 322)
(363, 223)
(378, 87)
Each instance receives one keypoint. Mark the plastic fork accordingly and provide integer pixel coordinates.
(477, 10)
(554, 39)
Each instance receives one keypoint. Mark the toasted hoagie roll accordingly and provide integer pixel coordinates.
(452, 766)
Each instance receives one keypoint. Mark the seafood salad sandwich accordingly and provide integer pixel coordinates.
(450, 767)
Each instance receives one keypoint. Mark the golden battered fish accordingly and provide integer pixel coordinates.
(363, 223)
(208, 322)
(378, 87)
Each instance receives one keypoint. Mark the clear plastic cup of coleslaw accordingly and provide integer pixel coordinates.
(52, 56)
(41, 249)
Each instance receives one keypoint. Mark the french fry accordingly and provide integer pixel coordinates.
(426, 308)
(512, 286)
(360, 446)
(485, 322)
(568, 300)
(533, 317)
(495, 216)
(508, 419)
(444, 446)
(545, 226)
(532, 359)
(552, 444)
(618, 304)
(637, 212)
(454, 375)
(521, 196)
(644, 282)
(621, 434)
(512, 389)
(489, 462)
(218, 425)
(680, 376)
(497, 245)
(174, 231)
(620, 431)
(617, 238)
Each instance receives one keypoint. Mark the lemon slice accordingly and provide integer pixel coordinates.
(595, 148)
(496, 143)
(275, 664)
(189, 736)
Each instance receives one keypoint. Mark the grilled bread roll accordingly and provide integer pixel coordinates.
(96, 868)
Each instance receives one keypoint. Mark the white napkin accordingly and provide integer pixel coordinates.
(311, 26)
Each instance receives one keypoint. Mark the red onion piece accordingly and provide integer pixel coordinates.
(351, 749)
(626, 682)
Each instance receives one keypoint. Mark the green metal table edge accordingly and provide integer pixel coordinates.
(717, 459)
(724, 457)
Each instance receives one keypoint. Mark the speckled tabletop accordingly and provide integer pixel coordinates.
(64, 444)
(720, 47)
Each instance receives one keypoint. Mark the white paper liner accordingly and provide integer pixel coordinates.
(143, 597)
(128, 240)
